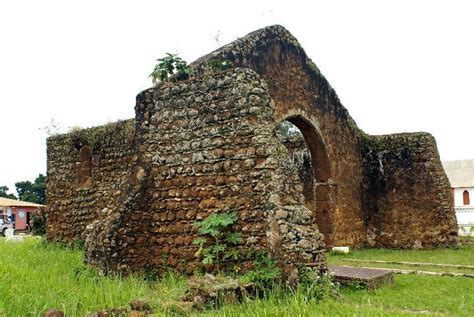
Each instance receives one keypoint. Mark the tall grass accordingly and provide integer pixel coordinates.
(35, 276)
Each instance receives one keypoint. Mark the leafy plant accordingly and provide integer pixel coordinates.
(170, 68)
(265, 274)
(316, 286)
(217, 65)
(216, 244)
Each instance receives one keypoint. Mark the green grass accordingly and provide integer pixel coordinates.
(35, 276)
(410, 295)
(444, 295)
(462, 256)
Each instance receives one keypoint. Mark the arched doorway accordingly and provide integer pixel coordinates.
(308, 153)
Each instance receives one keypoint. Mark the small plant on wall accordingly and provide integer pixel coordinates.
(218, 65)
(170, 68)
(217, 244)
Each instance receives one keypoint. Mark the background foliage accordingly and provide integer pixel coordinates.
(34, 192)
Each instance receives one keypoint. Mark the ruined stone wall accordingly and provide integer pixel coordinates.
(406, 193)
(207, 145)
(80, 188)
(303, 96)
(210, 144)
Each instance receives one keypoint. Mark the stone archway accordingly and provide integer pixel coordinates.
(317, 191)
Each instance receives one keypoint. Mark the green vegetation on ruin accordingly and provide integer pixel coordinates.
(170, 68)
(97, 135)
(35, 276)
(215, 244)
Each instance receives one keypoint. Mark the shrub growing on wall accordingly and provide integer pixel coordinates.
(170, 68)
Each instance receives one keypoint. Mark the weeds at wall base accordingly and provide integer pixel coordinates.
(75, 245)
(262, 281)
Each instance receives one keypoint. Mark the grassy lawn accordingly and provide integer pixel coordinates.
(461, 256)
(35, 276)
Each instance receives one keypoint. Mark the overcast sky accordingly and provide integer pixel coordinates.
(397, 66)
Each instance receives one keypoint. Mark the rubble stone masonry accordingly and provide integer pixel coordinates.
(210, 144)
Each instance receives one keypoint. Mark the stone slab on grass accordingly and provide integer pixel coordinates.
(371, 278)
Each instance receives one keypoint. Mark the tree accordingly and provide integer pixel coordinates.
(32, 192)
(3, 193)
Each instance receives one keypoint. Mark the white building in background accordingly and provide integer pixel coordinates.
(461, 177)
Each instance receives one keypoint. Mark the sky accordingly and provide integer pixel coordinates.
(397, 66)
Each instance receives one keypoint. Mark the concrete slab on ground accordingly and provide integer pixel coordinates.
(372, 278)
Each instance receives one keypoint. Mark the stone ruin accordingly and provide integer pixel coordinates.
(211, 144)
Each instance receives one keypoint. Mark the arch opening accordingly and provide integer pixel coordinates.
(308, 154)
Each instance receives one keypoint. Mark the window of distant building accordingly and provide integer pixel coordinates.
(465, 198)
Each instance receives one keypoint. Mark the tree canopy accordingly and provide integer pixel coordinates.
(3, 193)
(33, 192)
